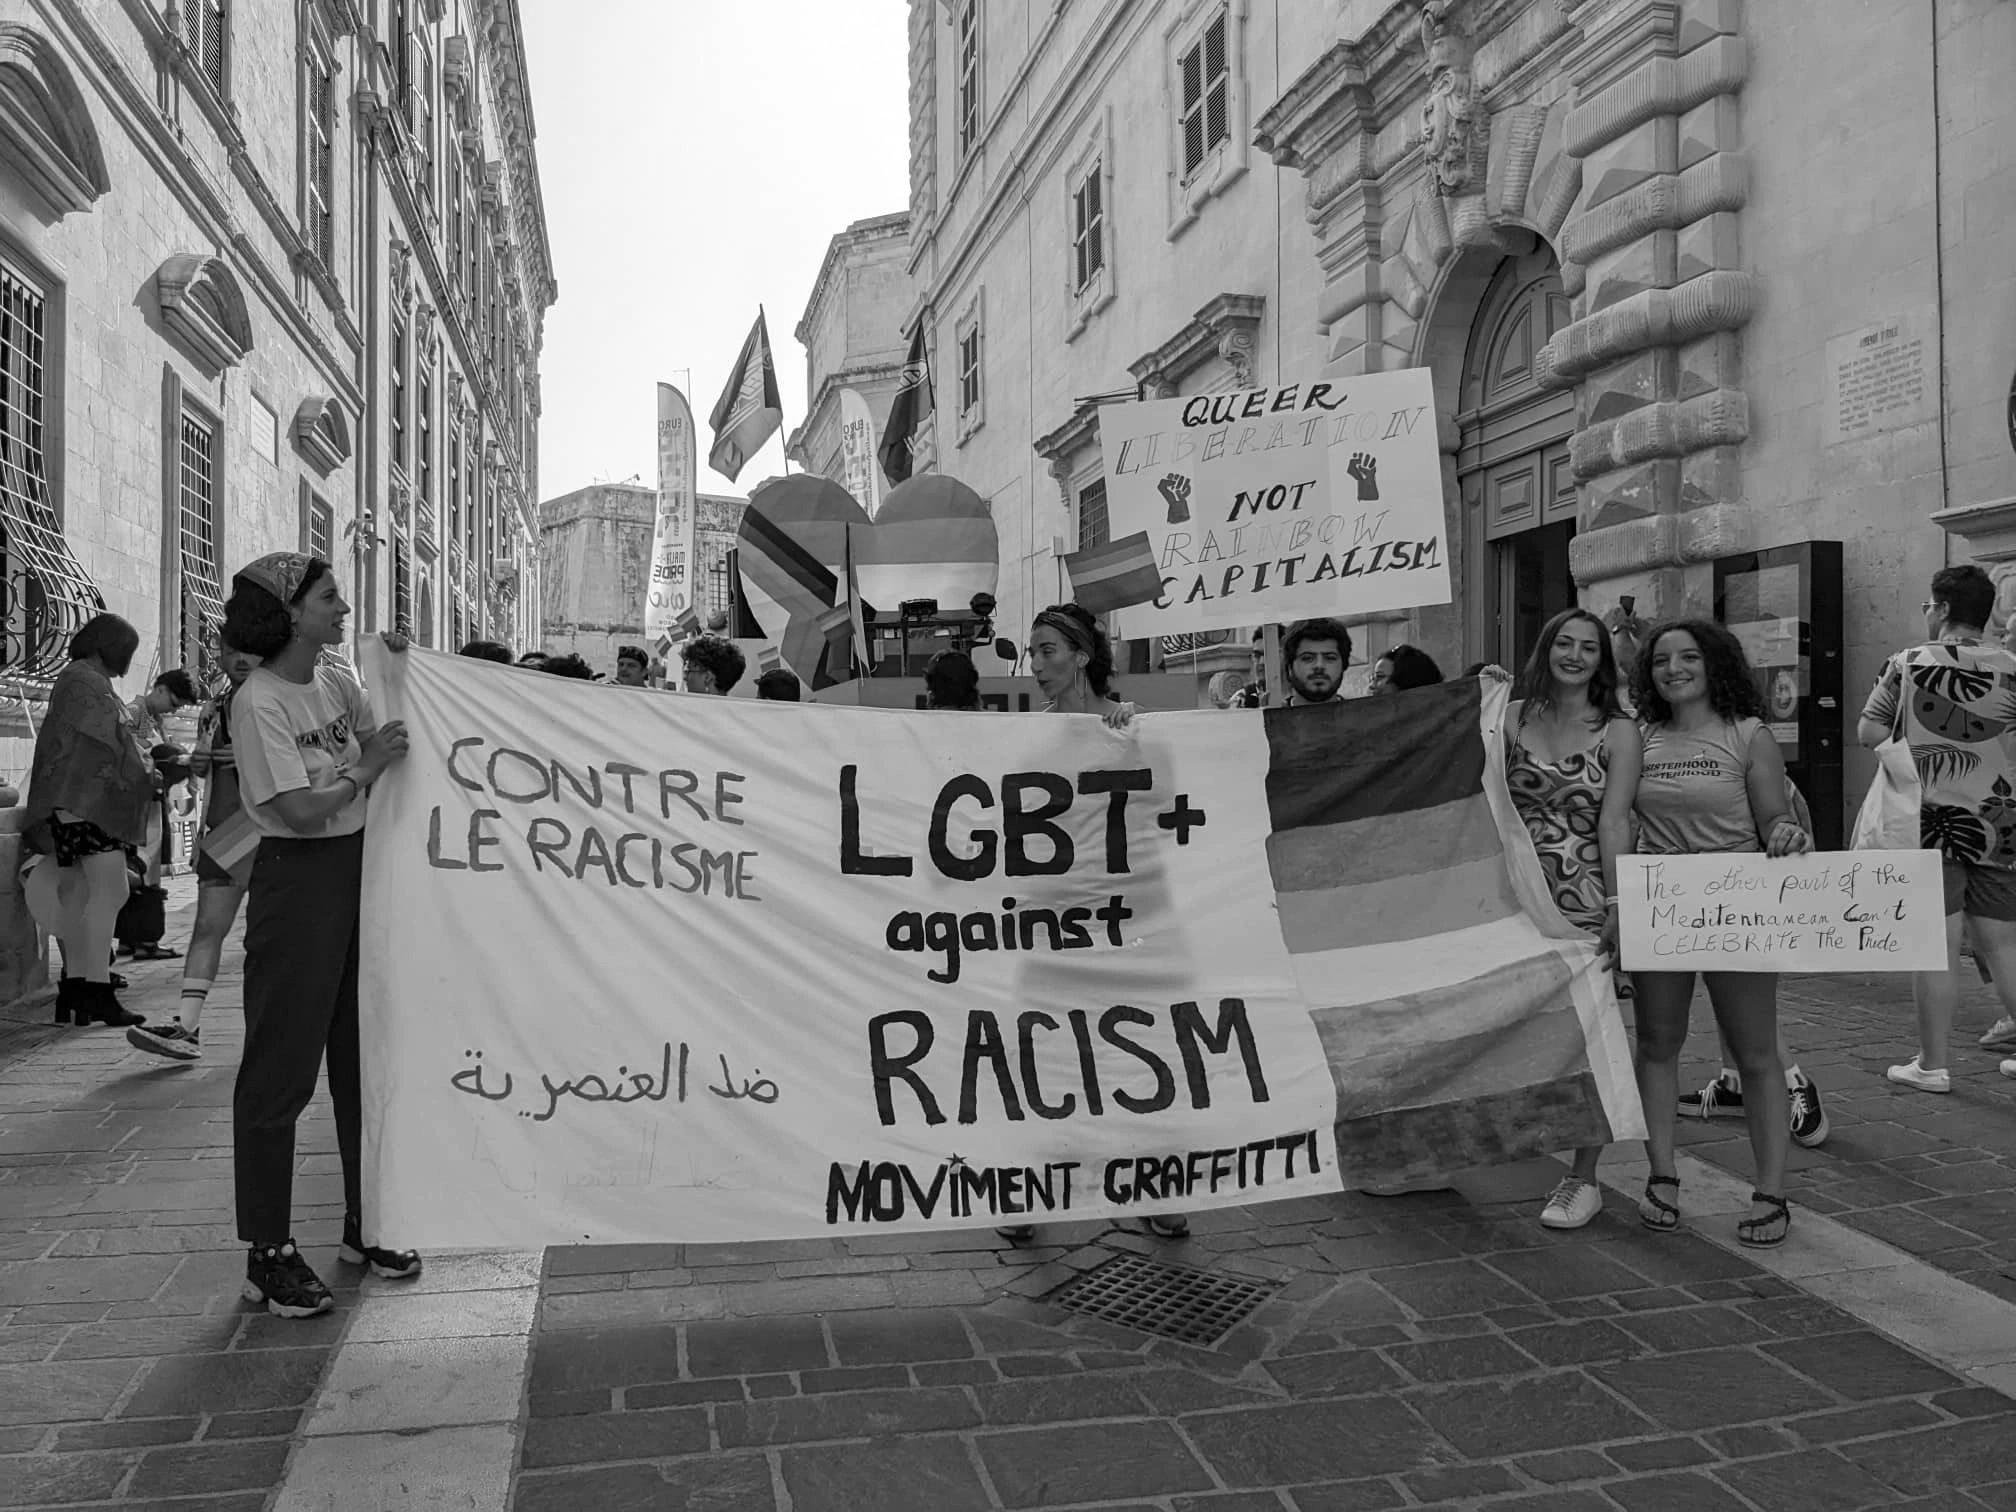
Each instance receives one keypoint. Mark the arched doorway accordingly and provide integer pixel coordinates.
(1513, 475)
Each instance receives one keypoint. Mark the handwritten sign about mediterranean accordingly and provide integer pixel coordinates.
(1834, 911)
(645, 966)
(1317, 497)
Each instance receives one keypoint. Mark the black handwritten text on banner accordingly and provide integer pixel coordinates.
(642, 966)
(1309, 498)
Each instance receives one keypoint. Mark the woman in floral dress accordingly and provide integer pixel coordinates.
(1572, 764)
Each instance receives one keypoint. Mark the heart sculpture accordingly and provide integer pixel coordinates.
(933, 538)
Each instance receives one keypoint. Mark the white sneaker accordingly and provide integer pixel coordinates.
(1911, 1074)
(2009, 1068)
(1572, 1204)
(2001, 1036)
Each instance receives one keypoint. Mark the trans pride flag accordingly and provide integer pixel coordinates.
(1464, 1021)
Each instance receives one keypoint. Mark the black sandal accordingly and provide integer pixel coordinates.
(154, 953)
(1654, 1211)
(1749, 1230)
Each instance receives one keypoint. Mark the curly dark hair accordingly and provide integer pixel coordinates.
(951, 681)
(179, 683)
(1536, 678)
(569, 665)
(1732, 689)
(1412, 667)
(487, 650)
(1315, 630)
(1080, 628)
(713, 654)
(257, 622)
(780, 685)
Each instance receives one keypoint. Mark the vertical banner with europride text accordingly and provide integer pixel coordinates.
(672, 537)
(860, 473)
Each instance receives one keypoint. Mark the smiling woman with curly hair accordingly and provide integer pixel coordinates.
(1712, 781)
(1732, 688)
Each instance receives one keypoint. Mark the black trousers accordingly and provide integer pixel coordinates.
(300, 1000)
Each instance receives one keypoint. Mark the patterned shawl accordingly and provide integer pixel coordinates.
(86, 762)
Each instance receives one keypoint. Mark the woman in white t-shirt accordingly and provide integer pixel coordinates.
(308, 750)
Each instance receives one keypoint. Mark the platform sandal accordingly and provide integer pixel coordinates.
(1654, 1211)
(1754, 1231)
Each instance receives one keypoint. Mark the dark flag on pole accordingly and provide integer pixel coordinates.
(750, 410)
(907, 414)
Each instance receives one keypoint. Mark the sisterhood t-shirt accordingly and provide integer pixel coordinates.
(1694, 789)
(289, 737)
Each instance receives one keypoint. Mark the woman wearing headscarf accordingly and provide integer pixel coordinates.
(308, 749)
(90, 795)
(1072, 662)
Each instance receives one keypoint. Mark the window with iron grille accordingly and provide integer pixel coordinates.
(455, 229)
(402, 585)
(45, 595)
(1207, 92)
(454, 450)
(396, 421)
(469, 486)
(1088, 229)
(969, 369)
(321, 528)
(969, 76)
(472, 238)
(202, 593)
(203, 27)
(1094, 527)
(423, 437)
(318, 98)
(421, 118)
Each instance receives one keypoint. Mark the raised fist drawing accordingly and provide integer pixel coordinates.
(1365, 468)
(1176, 489)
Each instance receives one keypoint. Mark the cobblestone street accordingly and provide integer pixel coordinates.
(1437, 1350)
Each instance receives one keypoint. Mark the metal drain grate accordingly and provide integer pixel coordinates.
(1175, 1301)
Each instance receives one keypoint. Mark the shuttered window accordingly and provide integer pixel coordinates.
(969, 76)
(1088, 230)
(203, 27)
(319, 145)
(1207, 93)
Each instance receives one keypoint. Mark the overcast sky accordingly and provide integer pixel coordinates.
(696, 157)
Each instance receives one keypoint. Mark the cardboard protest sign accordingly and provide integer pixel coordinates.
(650, 966)
(1318, 497)
(1833, 911)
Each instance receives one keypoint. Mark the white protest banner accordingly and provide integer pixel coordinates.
(1832, 911)
(1320, 497)
(645, 966)
(672, 535)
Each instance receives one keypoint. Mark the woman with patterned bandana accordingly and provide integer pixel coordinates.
(308, 749)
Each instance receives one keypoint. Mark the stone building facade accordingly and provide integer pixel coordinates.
(272, 275)
(853, 334)
(1693, 277)
(595, 568)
